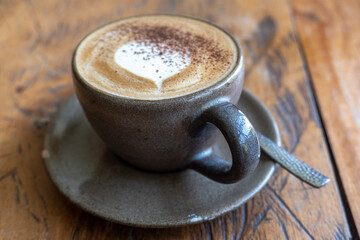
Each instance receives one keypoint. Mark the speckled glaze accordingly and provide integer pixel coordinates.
(93, 178)
(172, 134)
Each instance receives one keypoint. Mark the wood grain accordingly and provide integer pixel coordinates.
(330, 34)
(39, 37)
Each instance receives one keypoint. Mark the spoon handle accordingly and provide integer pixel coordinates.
(291, 163)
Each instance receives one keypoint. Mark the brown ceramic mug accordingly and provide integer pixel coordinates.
(178, 132)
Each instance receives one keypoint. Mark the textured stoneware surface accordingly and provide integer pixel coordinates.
(158, 132)
(97, 181)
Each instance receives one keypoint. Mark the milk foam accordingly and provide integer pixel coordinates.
(149, 61)
(155, 57)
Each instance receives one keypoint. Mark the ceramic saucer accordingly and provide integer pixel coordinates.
(98, 182)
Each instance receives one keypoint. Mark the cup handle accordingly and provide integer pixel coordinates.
(242, 139)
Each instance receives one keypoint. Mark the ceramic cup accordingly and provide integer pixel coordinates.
(177, 133)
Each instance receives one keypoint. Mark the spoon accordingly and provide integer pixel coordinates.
(291, 163)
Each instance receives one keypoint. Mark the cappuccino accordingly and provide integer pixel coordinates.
(155, 57)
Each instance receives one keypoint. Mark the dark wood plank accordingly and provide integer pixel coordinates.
(35, 79)
(330, 34)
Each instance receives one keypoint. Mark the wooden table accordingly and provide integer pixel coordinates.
(302, 60)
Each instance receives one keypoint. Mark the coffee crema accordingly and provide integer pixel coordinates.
(155, 57)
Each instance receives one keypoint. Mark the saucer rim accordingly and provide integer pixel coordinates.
(175, 223)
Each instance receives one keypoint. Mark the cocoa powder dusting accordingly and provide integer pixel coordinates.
(169, 39)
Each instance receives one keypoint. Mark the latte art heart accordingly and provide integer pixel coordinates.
(150, 61)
